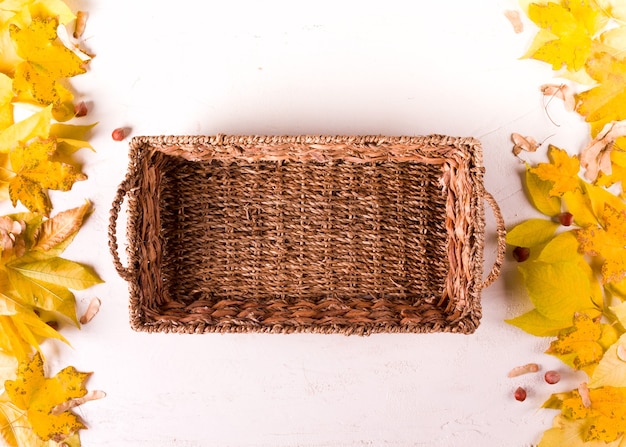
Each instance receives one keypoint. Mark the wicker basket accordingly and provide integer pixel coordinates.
(331, 234)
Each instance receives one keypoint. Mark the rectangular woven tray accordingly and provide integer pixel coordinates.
(332, 234)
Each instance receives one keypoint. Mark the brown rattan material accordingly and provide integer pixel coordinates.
(330, 234)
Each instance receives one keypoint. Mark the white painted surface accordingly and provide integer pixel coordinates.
(331, 67)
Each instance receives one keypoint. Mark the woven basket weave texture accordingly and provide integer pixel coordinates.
(354, 235)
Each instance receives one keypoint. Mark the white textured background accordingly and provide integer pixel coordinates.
(323, 67)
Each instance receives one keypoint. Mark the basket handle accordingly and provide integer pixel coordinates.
(121, 193)
(501, 232)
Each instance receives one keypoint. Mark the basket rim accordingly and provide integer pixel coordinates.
(460, 159)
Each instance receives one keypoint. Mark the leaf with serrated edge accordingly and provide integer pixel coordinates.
(37, 396)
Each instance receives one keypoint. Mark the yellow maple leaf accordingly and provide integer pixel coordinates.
(46, 63)
(43, 400)
(567, 31)
(562, 171)
(35, 172)
(605, 416)
(607, 241)
(606, 101)
(579, 345)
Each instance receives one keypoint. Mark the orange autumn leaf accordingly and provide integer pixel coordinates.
(606, 101)
(46, 403)
(608, 242)
(567, 31)
(46, 63)
(562, 171)
(579, 345)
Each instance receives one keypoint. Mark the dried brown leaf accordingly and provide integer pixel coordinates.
(61, 227)
(521, 143)
(583, 390)
(91, 311)
(81, 23)
(596, 156)
(514, 18)
(524, 369)
(561, 91)
(72, 403)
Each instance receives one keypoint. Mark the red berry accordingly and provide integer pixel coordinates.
(80, 109)
(566, 219)
(552, 377)
(119, 134)
(520, 394)
(520, 254)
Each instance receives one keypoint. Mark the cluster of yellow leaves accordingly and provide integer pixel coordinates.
(37, 411)
(575, 278)
(36, 283)
(587, 39)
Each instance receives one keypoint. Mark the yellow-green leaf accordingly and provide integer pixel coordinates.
(43, 295)
(562, 248)
(60, 272)
(558, 290)
(37, 125)
(536, 324)
(531, 232)
(71, 138)
(578, 203)
(539, 194)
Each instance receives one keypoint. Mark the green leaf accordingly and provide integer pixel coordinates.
(558, 290)
(531, 232)
(539, 193)
(536, 324)
(60, 272)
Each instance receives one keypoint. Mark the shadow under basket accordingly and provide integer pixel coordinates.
(328, 234)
